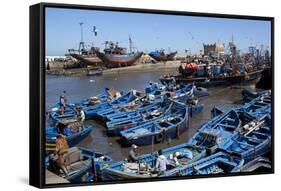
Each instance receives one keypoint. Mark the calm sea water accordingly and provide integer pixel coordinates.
(78, 88)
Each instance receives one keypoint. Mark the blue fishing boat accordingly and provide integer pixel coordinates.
(201, 92)
(177, 92)
(259, 106)
(95, 72)
(218, 131)
(194, 107)
(91, 111)
(127, 120)
(185, 92)
(248, 95)
(70, 112)
(154, 88)
(108, 94)
(254, 140)
(154, 94)
(259, 164)
(56, 114)
(82, 165)
(120, 113)
(145, 167)
(218, 163)
(88, 105)
(74, 132)
(163, 129)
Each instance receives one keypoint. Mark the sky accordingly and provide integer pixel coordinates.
(149, 31)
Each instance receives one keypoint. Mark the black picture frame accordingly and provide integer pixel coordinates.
(37, 89)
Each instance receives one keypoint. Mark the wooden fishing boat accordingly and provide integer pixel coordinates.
(83, 165)
(115, 56)
(161, 56)
(163, 129)
(73, 131)
(145, 167)
(242, 79)
(86, 59)
(116, 61)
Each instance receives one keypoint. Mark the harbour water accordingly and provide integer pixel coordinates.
(83, 87)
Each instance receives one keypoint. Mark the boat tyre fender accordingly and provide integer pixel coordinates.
(160, 137)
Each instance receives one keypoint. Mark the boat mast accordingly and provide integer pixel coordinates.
(233, 51)
(81, 44)
(130, 43)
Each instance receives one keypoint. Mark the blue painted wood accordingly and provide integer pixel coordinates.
(51, 134)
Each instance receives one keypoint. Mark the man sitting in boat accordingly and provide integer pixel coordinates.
(161, 163)
(80, 115)
(133, 155)
(61, 151)
(117, 95)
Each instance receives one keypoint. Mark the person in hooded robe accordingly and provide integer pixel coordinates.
(61, 151)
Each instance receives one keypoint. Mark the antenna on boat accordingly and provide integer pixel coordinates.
(95, 31)
(81, 44)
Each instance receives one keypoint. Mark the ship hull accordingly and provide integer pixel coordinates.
(112, 61)
(163, 57)
(88, 60)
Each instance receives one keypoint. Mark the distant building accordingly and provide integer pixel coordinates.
(213, 48)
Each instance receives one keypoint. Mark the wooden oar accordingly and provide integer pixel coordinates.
(260, 123)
